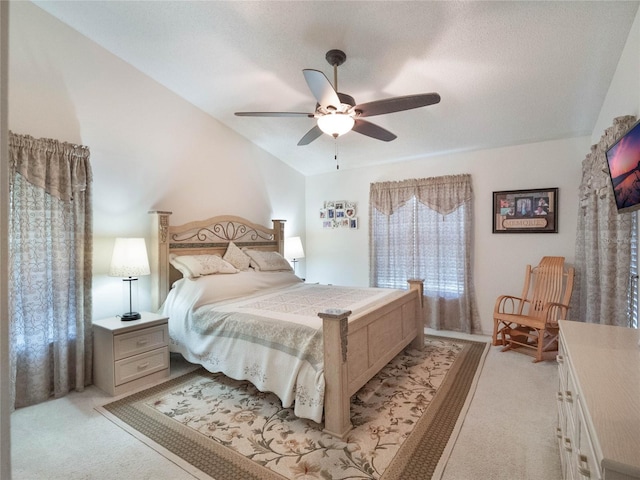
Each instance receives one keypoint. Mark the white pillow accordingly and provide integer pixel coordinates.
(268, 261)
(236, 257)
(194, 266)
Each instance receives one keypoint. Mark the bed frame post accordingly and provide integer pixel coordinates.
(159, 253)
(337, 402)
(418, 285)
(278, 227)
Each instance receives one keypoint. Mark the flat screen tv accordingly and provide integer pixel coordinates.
(623, 159)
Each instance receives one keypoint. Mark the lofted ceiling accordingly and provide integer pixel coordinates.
(507, 72)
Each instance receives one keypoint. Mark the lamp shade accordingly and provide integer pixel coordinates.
(336, 124)
(129, 258)
(293, 248)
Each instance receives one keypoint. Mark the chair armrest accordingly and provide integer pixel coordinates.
(509, 304)
(557, 308)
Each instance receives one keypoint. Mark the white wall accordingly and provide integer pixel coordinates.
(623, 97)
(150, 149)
(340, 256)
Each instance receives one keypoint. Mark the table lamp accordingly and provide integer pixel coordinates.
(293, 250)
(129, 260)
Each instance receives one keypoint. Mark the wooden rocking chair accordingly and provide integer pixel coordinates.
(531, 320)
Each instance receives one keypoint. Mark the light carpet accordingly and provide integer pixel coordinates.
(405, 422)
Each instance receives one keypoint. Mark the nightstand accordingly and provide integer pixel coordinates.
(129, 355)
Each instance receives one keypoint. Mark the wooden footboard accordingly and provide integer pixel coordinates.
(357, 348)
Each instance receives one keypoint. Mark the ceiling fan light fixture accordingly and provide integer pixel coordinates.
(336, 124)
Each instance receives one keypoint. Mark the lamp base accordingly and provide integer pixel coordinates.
(127, 317)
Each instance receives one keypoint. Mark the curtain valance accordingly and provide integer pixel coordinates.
(60, 168)
(442, 194)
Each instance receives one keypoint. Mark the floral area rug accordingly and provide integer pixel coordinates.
(405, 422)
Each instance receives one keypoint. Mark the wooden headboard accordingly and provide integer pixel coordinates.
(210, 236)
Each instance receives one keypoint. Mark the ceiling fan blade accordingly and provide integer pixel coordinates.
(310, 136)
(372, 130)
(274, 114)
(321, 88)
(396, 104)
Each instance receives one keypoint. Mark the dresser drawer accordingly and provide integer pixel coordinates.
(132, 343)
(586, 463)
(141, 365)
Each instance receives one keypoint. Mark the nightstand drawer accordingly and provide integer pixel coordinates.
(141, 365)
(128, 344)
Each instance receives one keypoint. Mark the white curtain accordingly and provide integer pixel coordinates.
(50, 242)
(422, 228)
(603, 282)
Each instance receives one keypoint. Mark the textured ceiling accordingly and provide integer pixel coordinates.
(507, 72)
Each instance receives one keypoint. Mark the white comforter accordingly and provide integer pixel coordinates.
(262, 327)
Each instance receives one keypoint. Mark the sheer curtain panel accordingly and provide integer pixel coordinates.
(604, 286)
(422, 228)
(50, 242)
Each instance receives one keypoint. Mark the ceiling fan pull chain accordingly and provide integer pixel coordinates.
(336, 155)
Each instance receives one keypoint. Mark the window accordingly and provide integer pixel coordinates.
(422, 229)
(422, 244)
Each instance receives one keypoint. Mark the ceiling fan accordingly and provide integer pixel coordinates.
(337, 113)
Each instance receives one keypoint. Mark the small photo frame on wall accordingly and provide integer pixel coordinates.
(328, 224)
(526, 211)
(353, 222)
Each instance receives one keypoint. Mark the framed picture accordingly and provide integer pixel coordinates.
(328, 224)
(338, 214)
(526, 211)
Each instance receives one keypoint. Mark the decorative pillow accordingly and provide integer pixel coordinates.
(236, 257)
(268, 261)
(194, 266)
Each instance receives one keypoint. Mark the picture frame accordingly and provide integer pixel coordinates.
(526, 211)
(328, 224)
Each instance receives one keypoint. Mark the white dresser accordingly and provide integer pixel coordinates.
(131, 354)
(599, 402)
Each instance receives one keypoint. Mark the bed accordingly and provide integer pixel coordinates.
(312, 345)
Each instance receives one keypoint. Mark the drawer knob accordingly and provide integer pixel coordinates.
(567, 395)
(583, 466)
(142, 366)
(142, 342)
(559, 359)
(567, 444)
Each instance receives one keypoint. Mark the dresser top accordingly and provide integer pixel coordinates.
(606, 364)
(115, 324)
